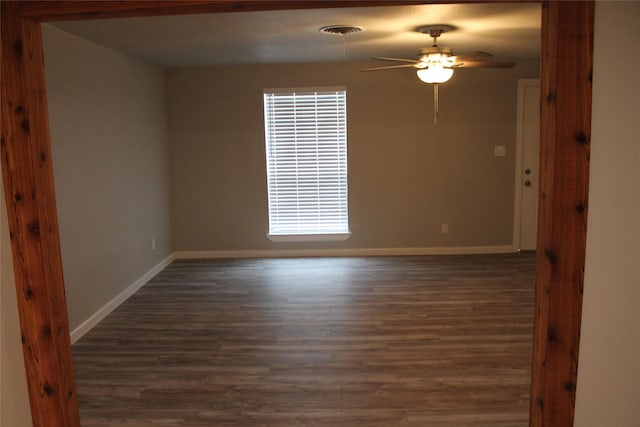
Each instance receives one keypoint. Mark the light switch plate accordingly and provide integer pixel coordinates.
(499, 151)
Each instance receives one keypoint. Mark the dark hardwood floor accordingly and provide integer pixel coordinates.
(382, 341)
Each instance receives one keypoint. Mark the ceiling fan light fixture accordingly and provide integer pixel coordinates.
(435, 74)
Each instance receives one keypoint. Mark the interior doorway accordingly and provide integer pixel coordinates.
(527, 165)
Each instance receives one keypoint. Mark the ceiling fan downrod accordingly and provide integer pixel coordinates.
(435, 34)
(435, 31)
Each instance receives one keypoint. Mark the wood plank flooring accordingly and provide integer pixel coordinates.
(382, 341)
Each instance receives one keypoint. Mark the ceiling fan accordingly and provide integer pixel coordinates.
(436, 64)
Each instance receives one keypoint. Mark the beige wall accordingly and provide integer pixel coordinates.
(407, 176)
(14, 401)
(609, 372)
(111, 165)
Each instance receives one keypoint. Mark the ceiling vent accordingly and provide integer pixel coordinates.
(341, 30)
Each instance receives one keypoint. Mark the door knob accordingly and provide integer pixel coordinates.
(527, 171)
(527, 183)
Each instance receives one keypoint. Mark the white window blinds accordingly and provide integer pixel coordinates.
(306, 146)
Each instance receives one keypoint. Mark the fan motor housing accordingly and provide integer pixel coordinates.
(425, 52)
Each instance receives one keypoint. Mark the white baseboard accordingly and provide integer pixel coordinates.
(286, 253)
(104, 311)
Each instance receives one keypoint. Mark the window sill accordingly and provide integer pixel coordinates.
(332, 237)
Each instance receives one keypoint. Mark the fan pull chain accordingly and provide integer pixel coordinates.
(435, 104)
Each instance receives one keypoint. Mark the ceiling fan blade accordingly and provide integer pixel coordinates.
(392, 67)
(474, 56)
(382, 58)
(485, 64)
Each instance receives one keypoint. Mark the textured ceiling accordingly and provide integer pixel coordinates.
(509, 31)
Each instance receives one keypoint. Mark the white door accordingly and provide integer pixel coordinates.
(528, 147)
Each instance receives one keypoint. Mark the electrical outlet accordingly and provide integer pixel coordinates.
(153, 244)
(445, 228)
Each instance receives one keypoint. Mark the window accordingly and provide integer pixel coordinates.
(306, 146)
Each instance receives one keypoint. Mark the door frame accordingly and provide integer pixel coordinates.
(566, 63)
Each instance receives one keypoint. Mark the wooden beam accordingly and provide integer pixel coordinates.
(567, 62)
(567, 35)
(68, 10)
(29, 193)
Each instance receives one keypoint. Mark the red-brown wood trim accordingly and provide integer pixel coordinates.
(567, 61)
(567, 52)
(69, 10)
(75, 9)
(31, 208)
